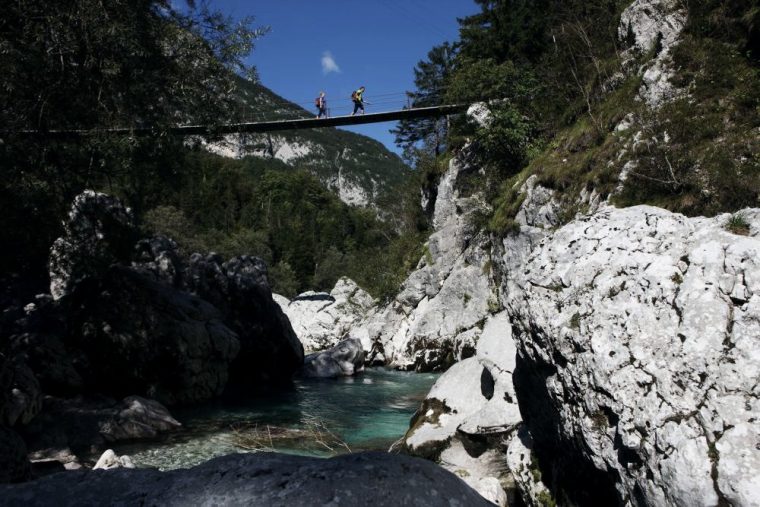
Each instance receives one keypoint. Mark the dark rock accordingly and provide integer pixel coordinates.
(99, 232)
(52, 364)
(136, 335)
(160, 256)
(14, 465)
(128, 317)
(51, 461)
(345, 358)
(259, 479)
(21, 398)
(85, 425)
(270, 351)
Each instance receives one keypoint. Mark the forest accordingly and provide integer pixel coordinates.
(551, 72)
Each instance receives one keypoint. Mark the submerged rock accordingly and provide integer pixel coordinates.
(259, 479)
(344, 359)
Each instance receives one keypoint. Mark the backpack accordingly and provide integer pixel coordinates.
(317, 101)
(353, 95)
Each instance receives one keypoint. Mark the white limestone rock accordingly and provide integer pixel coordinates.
(650, 20)
(109, 460)
(343, 360)
(478, 471)
(437, 315)
(472, 401)
(321, 320)
(524, 469)
(540, 207)
(479, 113)
(639, 329)
(654, 22)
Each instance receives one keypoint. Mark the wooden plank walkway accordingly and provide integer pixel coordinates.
(266, 126)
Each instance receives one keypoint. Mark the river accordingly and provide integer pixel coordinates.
(317, 417)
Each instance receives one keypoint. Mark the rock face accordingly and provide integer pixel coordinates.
(136, 335)
(270, 351)
(439, 312)
(525, 470)
(653, 24)
(637, 333)
(129, 317)
(344, 359)
(471, 413)
(259, 479)
(98, 233)
(20, 394)
(137, 318)
(321, 320)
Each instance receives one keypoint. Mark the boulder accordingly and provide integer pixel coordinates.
(320, 320)
(471, 413)
(80, 426)
(160, 255)
(51, 461)
(259, 479)
(270, 351)
(98, 233)
(344, 359)
(131, 334)
(637, 333)
(109, 461)
(35, 337)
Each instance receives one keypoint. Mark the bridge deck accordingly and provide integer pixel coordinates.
(270, 126)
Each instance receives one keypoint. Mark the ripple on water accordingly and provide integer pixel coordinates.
(369, 411)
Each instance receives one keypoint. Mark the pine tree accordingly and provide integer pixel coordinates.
(430, 78)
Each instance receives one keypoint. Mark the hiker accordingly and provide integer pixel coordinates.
(321, 103)
(358, 100)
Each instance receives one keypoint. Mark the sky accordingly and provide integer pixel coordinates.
(338, 45)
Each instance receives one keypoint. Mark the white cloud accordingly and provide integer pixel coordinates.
(328, 63)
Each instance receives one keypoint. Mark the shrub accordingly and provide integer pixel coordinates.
(738, 224)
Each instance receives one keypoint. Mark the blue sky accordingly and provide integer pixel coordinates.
(338, 45)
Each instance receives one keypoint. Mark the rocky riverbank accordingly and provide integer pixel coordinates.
(130, 319)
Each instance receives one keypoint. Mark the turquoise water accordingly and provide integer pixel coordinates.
(318, 417)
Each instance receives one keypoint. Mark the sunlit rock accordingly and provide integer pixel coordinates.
(637, 333)
(344, 359)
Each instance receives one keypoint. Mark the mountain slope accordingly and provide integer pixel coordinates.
(359, 169)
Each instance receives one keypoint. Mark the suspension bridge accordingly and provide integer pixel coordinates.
(262, 118)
